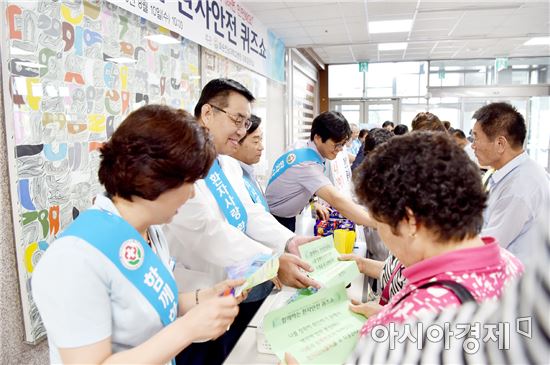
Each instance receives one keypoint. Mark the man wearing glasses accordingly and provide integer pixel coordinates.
(298, 175)
(221, 226)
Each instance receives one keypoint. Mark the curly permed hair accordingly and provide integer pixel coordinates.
(155, 149)
(429, 174)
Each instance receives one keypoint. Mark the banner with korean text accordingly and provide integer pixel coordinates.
(223, 26)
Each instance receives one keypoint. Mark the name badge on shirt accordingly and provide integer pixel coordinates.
(292, 158)
(228, 201)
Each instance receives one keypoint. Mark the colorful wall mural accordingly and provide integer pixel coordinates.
(75, 69)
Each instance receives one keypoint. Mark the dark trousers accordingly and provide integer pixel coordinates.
(215, 352)
(289, 223)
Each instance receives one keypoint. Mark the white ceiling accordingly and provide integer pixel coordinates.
(337, 31)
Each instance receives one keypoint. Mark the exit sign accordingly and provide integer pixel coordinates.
(501, 63)
(363, 66)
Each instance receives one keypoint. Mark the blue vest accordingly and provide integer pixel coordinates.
(292, 158)
(127, 250)
(232, 207)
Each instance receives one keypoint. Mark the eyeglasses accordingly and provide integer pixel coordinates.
(338, 146)
(239, 120)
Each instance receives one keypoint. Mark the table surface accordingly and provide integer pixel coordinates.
(245, 351)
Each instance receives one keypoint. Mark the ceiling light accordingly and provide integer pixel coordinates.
(121, 60)
(162, 39)
(392, 46)
(538, 41)
(390, 26)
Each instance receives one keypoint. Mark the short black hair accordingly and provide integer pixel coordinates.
(431, 175)
(502, 119)
(387, 123)
(362, 133)
(400, 129)
(376, 137)
(255, 123)
(458, 133)
(218, 90)
(331, 125)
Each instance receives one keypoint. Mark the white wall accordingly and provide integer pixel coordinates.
(274, 123)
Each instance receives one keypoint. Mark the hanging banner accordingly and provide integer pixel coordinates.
(223, 26)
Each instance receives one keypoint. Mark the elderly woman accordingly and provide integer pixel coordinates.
(427, 199)
(105, 288)
(426, 121)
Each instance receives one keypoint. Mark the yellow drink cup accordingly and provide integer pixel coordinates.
(344, 240)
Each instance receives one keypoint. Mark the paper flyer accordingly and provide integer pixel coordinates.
(256, 271)
(328, 270)
(317, 329)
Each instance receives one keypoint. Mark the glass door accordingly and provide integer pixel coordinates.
(379, 111)
(368, 114)
(352, 110)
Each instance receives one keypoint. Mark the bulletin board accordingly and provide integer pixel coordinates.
(72, 71)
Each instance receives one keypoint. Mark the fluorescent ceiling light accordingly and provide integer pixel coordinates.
(30, 64)
(121, 60)
(390, 26)
(392, 46)
(162, 39)
(538, 41)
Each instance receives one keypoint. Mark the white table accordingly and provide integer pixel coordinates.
(245, 351)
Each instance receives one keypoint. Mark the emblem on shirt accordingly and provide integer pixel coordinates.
(290, 158)
(131, 254)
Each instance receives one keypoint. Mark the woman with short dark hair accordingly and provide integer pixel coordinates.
(105, 288)
(427, 200)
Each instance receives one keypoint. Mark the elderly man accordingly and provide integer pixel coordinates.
(519, 189)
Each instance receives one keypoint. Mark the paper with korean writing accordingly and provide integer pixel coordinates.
(328, 270)
(317, 329)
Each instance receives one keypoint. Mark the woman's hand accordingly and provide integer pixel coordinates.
(360, 261)
(290, 360)
(371, 268)
(211, 317)
(222, 288)
(367, 309)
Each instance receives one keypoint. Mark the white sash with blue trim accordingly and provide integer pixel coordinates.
(253, 191)
(226, 197)
(124, 247)
(292, 158)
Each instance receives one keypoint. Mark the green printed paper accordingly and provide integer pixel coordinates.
(266, 272)
(323, 257)
(317, 329)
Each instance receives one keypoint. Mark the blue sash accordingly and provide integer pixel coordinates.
(292, 158)
(123, 246)
(257, 196)
(228, 201)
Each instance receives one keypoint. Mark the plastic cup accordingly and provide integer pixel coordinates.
(344, 240)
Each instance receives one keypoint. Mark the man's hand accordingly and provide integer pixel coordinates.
(321, 211)
(292, 272)
(297, 241)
